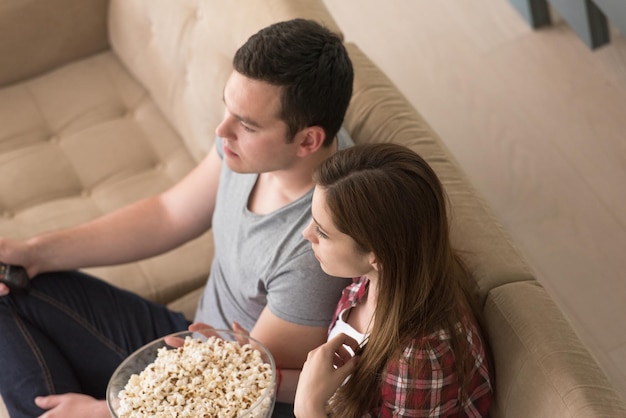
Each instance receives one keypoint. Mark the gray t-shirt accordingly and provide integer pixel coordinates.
(264, 260)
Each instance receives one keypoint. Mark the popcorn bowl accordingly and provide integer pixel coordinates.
(218, 384)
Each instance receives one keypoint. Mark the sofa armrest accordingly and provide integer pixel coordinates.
(542, 367)
(39, 35)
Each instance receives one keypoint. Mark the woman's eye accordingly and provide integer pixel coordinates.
(247, 128)
(319, 232)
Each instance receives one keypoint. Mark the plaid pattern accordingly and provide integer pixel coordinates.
(432, 390)
(350, 297)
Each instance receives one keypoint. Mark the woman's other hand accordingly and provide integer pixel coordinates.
(325, 369)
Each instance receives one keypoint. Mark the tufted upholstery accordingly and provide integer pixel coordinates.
(105, 102)
(84, 140)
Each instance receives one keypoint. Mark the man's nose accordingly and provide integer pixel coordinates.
(224, 129)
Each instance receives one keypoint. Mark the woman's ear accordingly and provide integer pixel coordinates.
(373, 262)
(311, 139)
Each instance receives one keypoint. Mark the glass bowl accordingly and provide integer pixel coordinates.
(140, 359)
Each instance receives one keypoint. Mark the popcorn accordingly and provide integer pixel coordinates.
(200, 379)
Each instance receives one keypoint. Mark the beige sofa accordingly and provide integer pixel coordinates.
(105, 102)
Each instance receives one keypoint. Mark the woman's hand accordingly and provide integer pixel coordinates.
(325, 369)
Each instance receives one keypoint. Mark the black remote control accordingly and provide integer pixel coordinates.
(14, 276)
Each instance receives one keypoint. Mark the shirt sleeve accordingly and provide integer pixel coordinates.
(303, 294)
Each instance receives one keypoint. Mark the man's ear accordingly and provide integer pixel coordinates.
(310, 140)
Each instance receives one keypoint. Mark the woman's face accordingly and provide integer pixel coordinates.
(337, 252)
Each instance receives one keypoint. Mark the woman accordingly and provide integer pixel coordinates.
(379, 215)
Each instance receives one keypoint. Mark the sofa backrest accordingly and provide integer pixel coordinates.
(50, 38)
(379, 112)
(182, 51)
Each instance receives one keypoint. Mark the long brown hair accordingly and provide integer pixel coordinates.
(390, 201)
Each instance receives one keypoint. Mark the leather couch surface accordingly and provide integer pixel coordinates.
(106, 102)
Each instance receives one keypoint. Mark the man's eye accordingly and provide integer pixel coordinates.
(319, 232)
(247, 128)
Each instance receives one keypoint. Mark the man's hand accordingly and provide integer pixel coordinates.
(209, 331)
(199, 327)
(15, 253)
(72, 405)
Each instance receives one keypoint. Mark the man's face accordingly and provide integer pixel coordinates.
(255, 139)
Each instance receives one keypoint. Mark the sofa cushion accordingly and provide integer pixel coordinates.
(85, 140)
(187, 304)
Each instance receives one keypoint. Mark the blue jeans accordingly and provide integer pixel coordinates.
(68, 334)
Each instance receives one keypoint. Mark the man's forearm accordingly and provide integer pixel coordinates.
(132, 233)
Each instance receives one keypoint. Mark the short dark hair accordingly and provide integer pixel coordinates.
(312, 67)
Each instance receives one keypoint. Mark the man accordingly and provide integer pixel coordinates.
(284, 105)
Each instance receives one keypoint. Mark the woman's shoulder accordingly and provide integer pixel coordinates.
(436, 346)
(428, 363)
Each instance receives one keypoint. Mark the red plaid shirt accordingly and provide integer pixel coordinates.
(433, 389)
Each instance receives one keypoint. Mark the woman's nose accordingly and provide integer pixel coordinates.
(307, 232)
